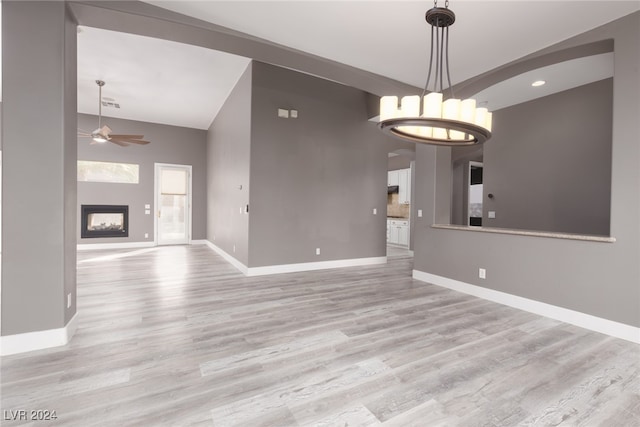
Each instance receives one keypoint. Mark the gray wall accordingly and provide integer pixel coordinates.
(548, 164)
(169, 144)
(39, 166)
(399, 162)
(228, 163)
(600, 279)
(315, 180)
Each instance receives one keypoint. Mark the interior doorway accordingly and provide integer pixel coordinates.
(475, 194)
(173, 204)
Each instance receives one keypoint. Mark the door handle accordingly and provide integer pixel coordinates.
(159, 213)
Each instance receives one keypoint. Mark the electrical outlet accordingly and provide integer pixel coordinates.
(146, 235)
(69, 300)
(419, 213)
(317, 251)
(482, 273)
(492, 214)
(375, 211)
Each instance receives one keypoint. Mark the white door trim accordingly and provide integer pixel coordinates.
(156, 189)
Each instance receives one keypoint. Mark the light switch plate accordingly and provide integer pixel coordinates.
(147, 206)
(492, 214)
(294, 114)
(147, 212)
(375, 211)
(284, 114)
(419, 213)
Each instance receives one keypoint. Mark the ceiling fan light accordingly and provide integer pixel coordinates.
(99, 139)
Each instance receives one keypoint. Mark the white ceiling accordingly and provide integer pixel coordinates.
(558, 77)
(167, 82)
(154, 80)
(390, 38)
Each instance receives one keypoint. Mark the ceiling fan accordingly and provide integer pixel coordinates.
(103, 132)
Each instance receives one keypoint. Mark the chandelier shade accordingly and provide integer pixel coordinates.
(430, 119)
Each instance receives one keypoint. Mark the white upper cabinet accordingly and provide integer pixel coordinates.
(404, 186)
(393, 178)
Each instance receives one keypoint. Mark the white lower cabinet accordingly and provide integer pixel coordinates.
(403, 235)
(398, 232)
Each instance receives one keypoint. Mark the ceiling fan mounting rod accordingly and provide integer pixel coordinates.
(100, 83)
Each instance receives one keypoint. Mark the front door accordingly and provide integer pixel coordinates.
(173, 204)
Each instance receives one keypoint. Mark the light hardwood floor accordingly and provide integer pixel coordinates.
(176, 336)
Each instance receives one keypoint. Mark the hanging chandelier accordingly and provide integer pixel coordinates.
(452, 122)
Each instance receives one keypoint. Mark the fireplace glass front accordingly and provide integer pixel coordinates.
(104, 221)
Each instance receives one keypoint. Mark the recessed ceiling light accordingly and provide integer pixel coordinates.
(538, 83)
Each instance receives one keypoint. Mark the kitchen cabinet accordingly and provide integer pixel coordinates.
(401, 178)
(398, 232)
(393, 178)
(403, 235)
(404, 186)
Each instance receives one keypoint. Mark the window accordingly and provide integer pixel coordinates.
(125, 173)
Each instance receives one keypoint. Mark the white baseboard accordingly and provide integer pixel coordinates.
(231, 260)
(293, 268)
(199, 242)
(583, 320)
(310, 266)
(121, 245)
(38, 340)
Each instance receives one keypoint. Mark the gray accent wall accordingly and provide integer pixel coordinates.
(228, 164)
(399, 162)
(600, 279)
(315, 180)
(39, 166)
(169, 144)
(548, 164)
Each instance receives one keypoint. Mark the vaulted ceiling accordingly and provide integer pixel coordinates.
(167, 82)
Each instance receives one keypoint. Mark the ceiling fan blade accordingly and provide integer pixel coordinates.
(84, 135)
(121, 136)
(120, 143)
(136, 141)
(130, 141)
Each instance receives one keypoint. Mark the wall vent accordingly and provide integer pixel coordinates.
(110, 104)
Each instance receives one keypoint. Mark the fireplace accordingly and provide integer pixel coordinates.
(104, 221)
